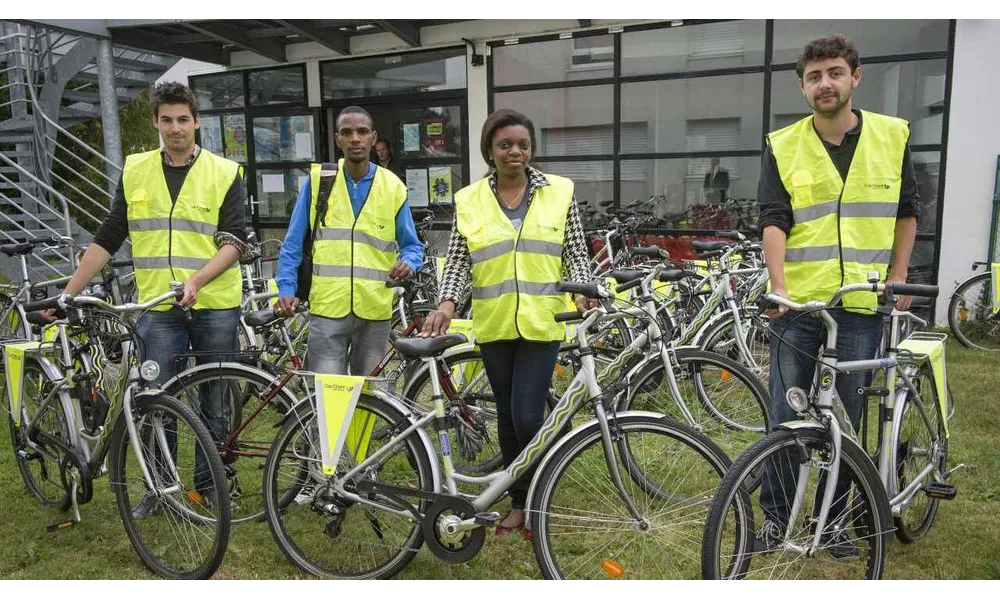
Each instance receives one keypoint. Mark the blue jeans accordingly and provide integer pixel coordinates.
(858, 336)
(520, 373)
(170, 333)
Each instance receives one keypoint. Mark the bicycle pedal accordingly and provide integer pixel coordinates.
(58, 526)
(941, 491)
(487, 519)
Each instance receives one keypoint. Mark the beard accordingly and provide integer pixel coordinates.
(829, 110)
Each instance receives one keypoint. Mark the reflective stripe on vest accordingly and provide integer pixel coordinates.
(843, 230)
(171, 241)
(514, 273)
(352, 257)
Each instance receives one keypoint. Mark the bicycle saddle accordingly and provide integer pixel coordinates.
(17, 249)
(675, 275)
(709, 246)
(415, 347)
(259, 318)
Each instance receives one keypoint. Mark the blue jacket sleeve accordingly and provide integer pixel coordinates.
(290, 256)
(411, 250)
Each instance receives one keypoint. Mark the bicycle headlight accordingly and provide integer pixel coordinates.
(797, 399)
(149, 371)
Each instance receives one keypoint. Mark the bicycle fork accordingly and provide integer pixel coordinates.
(607, 441)
(829, 490)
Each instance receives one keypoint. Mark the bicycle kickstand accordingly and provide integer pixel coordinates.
(76, 510)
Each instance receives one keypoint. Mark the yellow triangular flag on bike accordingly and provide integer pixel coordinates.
(340, 426)
(13, 359)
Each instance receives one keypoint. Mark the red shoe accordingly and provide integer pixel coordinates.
(501, 530)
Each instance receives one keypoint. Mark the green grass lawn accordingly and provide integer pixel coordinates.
(962, 543)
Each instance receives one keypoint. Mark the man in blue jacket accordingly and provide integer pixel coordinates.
(355, 250)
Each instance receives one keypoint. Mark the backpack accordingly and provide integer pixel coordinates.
(327, 178)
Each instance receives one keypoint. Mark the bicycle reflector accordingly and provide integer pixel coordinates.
(797, 399)
(149, 371)
(612, 567)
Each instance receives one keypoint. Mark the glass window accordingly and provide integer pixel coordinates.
(218, 91)
(872, 37)
(574, 59)
(569, 121)
(277, 190)
(277, 86)
(922, 263)
(693, 48)
(593, 180)
(690, 115)
(407, 73)
(432, 186)
(912, 90)
(429, 132)
(927, 167)
(695, 193)
(284, 139)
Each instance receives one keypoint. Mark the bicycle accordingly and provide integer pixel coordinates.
(620, 475)
(971, 310)
(840, 506)
(63, 423)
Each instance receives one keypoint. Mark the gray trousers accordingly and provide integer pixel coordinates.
(332, 341)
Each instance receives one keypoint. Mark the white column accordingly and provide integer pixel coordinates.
(477, 94)
(973, 146)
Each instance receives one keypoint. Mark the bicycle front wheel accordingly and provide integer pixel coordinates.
(327, 533)
(180, 526)
(768, 532)
(584, 530)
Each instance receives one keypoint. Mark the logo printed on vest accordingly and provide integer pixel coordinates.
(878, 186)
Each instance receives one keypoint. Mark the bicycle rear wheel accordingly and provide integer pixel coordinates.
(971, 316)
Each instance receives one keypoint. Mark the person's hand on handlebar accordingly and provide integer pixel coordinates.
(774, 313)
(583, 303)
(400, 270)
(902, 302)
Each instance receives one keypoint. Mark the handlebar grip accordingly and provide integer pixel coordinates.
(912, 289)
(589, 290)
(568, 316)
(399, 283)
(764, 304)
(40, 305)
(627, 286)
(729, 235)
(124, 262)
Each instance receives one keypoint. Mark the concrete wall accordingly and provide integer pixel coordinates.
(973, 146)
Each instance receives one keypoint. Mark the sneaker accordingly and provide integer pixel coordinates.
(840, 546)
(769, 538)
(146, 506)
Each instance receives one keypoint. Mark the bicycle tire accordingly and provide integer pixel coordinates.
(957, 308)
(718, 338)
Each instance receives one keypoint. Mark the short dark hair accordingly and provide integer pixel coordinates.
(353, 110)
(173, 92)
(503, 117)
(385, 141)
(825, 48)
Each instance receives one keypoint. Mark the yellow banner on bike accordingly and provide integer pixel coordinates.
(995, 286)
(272, 286)
(340, 427)
(468, 372)
(13, 361)
(933, 351)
